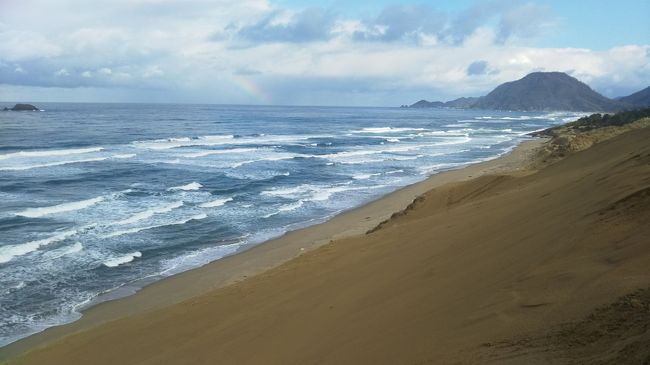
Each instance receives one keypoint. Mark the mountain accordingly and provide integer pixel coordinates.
(543, 91)
(639, 98)
(539, 91)
(427, 104)
(460, 103)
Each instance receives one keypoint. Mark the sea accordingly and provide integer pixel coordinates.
(97, 200)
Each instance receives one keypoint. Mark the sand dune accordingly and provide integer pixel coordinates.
(485, 270)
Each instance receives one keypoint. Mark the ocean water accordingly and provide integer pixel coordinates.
(99, 199)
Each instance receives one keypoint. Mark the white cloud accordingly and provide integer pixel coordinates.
(18, 45)
(205, 50)
(152, 71)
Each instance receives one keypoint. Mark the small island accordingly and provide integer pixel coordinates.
(22, 108)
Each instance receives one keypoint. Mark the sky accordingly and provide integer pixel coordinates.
(290, 52)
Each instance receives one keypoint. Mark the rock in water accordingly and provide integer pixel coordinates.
(24, 107)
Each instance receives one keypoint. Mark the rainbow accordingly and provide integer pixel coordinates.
(251, 89)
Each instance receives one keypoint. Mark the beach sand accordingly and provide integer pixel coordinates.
(477, 266)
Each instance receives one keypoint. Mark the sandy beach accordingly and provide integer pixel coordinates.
(469, 266)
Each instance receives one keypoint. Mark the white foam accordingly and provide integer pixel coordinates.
(50, 153)
(195, 217)
(50, 164)
(74, 248)
(465, 131)
(7, 253)
(351, 157)
(562, 116)
(285, 192)
(290, 207)
(308, 192)
(362, 161)
(124, 156)
(120, 260)
(440, 166)
(139, 229)
(347, 154)
(363, 176)
(19, 286)
(394, 172)
(198, 258)
(150, 213)
(67, 250)
(523, 117)
(387, 130)
(406, 158)
(272, 158)
(61, 208)
(285, 208)
(169, 143)
(189, 187)
(406, 148)
(215, 203)
(449, 133)
(219, 152)
(454, 141)
(15, 287)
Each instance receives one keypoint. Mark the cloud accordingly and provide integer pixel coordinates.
(418, 22)
(166, 50)
(469, 20)
(519, 21)
(528, 20)
(313, 24)
(18, 45)
(477, 68)
(402, 22)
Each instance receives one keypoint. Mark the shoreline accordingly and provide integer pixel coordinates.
(269, 254)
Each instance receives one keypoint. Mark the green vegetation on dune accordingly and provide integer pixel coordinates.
(596, 121)
(587, 131)
(604, 120)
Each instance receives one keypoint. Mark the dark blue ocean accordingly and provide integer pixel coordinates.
(100, 198)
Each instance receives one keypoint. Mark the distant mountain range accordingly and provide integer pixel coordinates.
(544, 91)
(639, 98)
